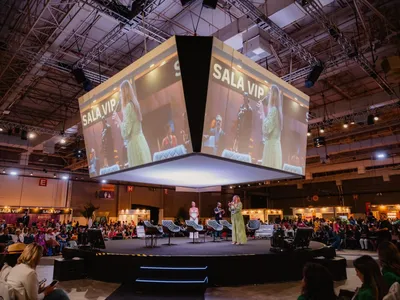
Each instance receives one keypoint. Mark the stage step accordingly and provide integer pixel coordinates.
(169, 278)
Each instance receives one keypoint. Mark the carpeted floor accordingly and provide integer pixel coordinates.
(184, 247)
(127, 291)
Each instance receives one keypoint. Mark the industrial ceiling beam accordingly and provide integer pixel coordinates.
(314, 9)
(277, 33)
(125, 25)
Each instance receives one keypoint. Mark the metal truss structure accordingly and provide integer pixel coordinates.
(124, 26)
(277, 33)
(314, 9)
(6, 125)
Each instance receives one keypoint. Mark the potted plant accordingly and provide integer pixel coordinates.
(88, 212)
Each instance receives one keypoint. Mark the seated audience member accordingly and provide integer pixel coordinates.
(389, 258)
(373, 285)
(18, 237)
(23, 278)
(6, 238)
(40, 239)
(317, 283)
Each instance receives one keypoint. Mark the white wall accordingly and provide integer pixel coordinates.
(25, 191)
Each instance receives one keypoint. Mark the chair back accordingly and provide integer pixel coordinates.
(215, 225)
(254, 224)
(170, 225)
(194, 225)
(148, 224)
(226, 224)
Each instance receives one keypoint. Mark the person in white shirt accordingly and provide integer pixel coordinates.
(18, 237)
(23, 278)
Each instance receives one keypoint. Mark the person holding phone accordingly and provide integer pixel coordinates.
(23, 278)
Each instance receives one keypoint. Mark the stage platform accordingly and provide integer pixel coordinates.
(224, 264)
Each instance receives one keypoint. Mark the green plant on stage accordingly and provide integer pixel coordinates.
(88, 210)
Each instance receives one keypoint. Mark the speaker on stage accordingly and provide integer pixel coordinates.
(314, 75)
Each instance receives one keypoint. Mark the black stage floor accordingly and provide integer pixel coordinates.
(184, 247)
(126, 261)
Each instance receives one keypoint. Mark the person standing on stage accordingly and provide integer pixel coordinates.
(218, 212)
(194, 216)
(238, 228)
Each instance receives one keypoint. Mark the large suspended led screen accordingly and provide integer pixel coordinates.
(138, 116)
(253, 116)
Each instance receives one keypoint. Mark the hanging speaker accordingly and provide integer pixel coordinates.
(210, 4)
(314, 75)
(79, 75)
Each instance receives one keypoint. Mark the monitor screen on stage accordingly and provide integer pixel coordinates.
(252, 115)
(138, 116)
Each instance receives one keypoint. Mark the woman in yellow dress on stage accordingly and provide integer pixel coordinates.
(238, 229)
(131, 127)
(272, 128)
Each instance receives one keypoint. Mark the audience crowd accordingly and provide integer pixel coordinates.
(378, 281)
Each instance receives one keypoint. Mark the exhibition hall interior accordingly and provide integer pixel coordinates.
(200, 149)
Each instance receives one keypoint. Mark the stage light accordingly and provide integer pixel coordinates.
(345, 125)
(231, 187)
(352, 122)
(13, 173)
(54, 175)
(1, 129)
(309, 133)
(381, 155)
(31, 135)
(31, 174)
(65, 177)
(63, 141)
(4, 171)
(104, 181)
(376, 118)
(322, 130)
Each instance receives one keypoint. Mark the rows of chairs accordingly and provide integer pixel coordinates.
(153, 232)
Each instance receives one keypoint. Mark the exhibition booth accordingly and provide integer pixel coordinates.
(133, 215)
(263, 214)
(392, 211)
(328, 213)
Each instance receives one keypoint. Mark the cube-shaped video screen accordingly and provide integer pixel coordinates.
(138, 116)
(252, 116)
(194, 112)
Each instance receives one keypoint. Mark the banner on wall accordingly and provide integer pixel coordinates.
(106, 195)
(20, 210)
(42, 182)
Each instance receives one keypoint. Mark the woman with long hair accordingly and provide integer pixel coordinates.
(272, 128)
(238, 229)
(389, 258)
(373, 285)
(23, 278)
(131, 127)
(317, 283)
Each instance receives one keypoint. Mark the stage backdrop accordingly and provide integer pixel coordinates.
(138, 116)
(253, 116)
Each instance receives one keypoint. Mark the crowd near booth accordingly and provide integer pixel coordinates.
(263, 214)
(392, 211)
(330, 212)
